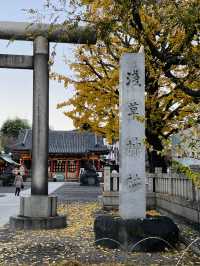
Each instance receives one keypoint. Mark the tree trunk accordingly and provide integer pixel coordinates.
(154, 158)
(157, 160)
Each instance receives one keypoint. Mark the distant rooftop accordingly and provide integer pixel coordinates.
(64, 142)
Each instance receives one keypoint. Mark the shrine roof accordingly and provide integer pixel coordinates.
(64, 142)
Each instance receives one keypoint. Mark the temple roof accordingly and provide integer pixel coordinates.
(7, 158)
(64, 142)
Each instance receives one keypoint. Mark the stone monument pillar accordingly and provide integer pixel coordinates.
(132, 201)
(131, 228)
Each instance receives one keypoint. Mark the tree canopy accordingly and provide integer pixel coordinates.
(10, 130)
(11, 127)
(170, 33)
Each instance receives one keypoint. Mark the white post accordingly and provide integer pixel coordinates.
(115, 183)
(132, 135)
(107, 178)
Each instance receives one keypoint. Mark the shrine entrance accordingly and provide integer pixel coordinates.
(39, 204)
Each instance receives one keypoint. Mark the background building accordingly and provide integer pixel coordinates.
(69, 151)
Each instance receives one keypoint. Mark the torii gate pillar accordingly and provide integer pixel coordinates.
(39, 211)
(40, 130)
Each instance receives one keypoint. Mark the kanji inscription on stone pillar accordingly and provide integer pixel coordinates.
(132, 136)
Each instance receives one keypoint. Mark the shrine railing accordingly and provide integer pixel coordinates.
(171, 183)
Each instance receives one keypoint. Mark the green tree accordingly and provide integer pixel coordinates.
(10, 130)
(12, 127)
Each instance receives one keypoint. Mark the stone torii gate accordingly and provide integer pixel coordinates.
(39, 210)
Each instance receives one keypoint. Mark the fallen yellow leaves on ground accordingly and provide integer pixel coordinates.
(76, 263)
(152, 213)
(75, 244)
(80, 218)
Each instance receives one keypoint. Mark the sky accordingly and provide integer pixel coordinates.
(16, 85)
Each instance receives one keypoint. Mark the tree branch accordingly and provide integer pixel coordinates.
(92, 68)
(181, 86)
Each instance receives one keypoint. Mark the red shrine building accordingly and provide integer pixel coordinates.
(69, 151)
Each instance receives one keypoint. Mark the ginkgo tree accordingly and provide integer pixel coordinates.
(170, 33)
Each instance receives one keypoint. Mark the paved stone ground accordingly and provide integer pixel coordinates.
(9, 203)
(11, 189)
(72, 191)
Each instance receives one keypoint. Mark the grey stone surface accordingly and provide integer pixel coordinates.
(179, 207)
(31, 223)
(107, 178)
(72, 191)
(38, 206)
(115, 183)
(10, 204)
(39, 185)
(114, 232)
(132, 134)
(16, 61)
(58, 33)
(110, 200)
(150, 201)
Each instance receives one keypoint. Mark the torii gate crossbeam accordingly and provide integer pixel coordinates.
(41, 35)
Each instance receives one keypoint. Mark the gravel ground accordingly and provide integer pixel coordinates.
(76, 241)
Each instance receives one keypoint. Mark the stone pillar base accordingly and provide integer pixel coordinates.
(32, 223)
(110, 200)
(149, 234)
(37, 212)
(38, 206)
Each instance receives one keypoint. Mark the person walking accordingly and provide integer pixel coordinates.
(18, 184)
